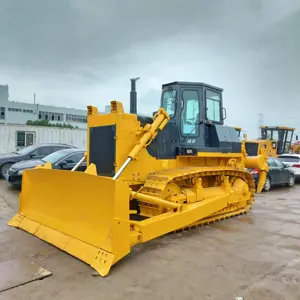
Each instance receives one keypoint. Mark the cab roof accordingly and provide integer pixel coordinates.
(278, 127)
(186, 83)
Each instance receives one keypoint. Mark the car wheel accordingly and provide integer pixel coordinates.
(291, 181)
(4, 169)
(267, 185)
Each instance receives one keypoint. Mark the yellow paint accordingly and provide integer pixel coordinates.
(295, 148)
(270, 147)
(88, 215)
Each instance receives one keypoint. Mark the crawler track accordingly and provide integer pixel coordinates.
(157, 182)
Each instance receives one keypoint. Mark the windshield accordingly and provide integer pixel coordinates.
(26, 150)
(293, 159)
(54, 157)
(168, 102)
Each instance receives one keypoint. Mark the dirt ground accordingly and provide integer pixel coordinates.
(254, 256)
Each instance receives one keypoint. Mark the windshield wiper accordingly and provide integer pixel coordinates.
(201, 122)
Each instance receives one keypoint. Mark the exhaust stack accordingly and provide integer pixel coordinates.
(133, 96)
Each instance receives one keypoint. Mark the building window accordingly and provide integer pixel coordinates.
(28, 111)
(2, 113)
(52, 116)
(20, 110)
(21, 139)
(25, 139)
(76, 118)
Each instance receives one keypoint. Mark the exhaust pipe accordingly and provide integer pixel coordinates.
(133, 97)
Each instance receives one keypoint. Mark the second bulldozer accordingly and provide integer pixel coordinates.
(146, 177)
(274, 140)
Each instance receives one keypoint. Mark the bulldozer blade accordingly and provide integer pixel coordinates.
(84, 215)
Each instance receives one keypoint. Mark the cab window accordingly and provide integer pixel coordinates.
(190, 113)
(275, 135)
(213, 106)
(169, 102)
(289, 136)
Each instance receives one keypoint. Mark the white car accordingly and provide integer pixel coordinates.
(293, 161)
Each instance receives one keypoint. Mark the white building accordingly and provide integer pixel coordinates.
(12, 112)
(13, 136)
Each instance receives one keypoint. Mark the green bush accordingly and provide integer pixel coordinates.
(48, 124)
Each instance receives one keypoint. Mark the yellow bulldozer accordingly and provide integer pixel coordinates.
(295, 148)
(275, 140)
(146, 177)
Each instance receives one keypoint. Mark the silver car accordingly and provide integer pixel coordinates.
(293, 161)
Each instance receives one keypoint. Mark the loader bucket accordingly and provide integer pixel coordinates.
(85, 215)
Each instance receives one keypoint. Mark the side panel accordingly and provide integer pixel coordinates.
(251, 148)
(102, 149)
(165, 144)
(223, 138)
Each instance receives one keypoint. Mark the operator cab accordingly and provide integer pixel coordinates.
(281, 136)
(193, 103)
(196, 121)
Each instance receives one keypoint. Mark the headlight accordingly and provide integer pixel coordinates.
(20, 172)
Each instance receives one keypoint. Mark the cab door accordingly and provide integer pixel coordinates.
(190, 118)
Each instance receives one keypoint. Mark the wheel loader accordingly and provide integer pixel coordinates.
(274, 140)
(146, 177)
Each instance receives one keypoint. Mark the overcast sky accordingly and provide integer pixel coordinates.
(75, 53)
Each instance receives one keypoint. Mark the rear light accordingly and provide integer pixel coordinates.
(254, 171)
(296, 166)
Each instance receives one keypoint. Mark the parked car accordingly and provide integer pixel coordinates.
(293, 161)
(279, 173)
(63, 159)
(34, 151)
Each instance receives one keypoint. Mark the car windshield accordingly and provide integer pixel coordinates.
(26, 150)
(293, 159)
(54, 157)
